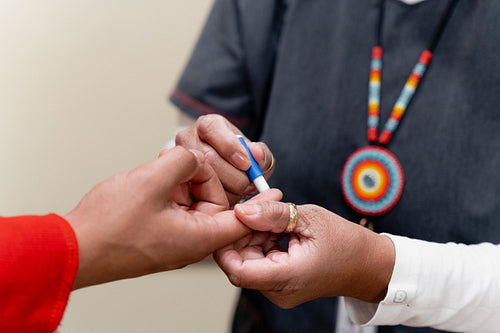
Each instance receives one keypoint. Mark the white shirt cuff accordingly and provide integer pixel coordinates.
(447, 286)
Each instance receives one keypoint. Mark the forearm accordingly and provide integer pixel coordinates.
(446, 286)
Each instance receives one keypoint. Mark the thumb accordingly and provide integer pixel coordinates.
(226, 228)
(175, 166)
(270, 216)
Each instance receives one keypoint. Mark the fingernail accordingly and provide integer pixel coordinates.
(248, 208)
(240, 160)
(199, 155)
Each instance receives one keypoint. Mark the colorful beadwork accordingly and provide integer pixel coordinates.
(374, 93)
(372, 177)
(404, 98)
(372, 180)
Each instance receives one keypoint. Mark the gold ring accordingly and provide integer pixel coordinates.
(292, 219)
(271, 166)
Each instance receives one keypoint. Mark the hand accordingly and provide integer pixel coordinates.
(327, 256)
(216, 138)
(160, 216)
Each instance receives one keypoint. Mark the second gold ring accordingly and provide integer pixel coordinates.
(271, 166)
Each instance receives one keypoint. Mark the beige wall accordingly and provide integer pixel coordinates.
(83, 95)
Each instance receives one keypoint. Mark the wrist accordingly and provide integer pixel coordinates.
(81, 274)
(376, 267)
(92, 267)
(385, 259)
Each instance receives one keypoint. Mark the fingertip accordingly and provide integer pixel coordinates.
(248, 214)
(181, 154)
(200, 157)
(247, 210)
(277, 194)
(181, 163)
(272, 194)
(258, 151)
(162, 152)
(264, 215)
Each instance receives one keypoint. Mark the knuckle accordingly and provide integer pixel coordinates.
(266, 150)
(212, 156)
(276, 210)
(235, 279)
(207, 123)
(283, 212)
(182, 138)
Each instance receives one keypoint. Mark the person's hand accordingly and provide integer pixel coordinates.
(327, 256)
(160, 216)
(215, 136)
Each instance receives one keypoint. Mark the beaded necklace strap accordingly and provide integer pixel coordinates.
(410, 86)
(372, 178)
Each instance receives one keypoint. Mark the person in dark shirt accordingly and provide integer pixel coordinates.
(295, 75)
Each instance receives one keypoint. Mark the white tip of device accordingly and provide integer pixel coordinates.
(261, 184)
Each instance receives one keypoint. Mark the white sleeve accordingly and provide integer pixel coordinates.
(451, 286)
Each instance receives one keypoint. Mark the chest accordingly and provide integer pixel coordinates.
(448, 141)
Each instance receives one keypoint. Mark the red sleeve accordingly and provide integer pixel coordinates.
(38, 265)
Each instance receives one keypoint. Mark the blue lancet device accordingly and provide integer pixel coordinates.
(254, 172)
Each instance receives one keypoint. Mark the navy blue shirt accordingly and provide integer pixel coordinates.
(294, 74)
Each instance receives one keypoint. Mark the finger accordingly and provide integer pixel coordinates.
(254, 247)
(208, 191)
(263, 156)
(219, 133)
(223, 229)
(227, 257)
(265, 215)
(270, 195)
(175, 166)
(262, 274)
(272, 243)
(260, 238)
(211, 134)
(243, 242)
(259, 245)
(252, 253)
(265, 242)
(181, 195)
(163, 152)
(234, 198)
(233, 179)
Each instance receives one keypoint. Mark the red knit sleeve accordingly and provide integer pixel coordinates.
(38, 265)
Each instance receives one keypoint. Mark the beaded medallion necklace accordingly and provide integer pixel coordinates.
(372, 177)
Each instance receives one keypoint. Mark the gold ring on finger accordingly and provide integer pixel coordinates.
(292, 219)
